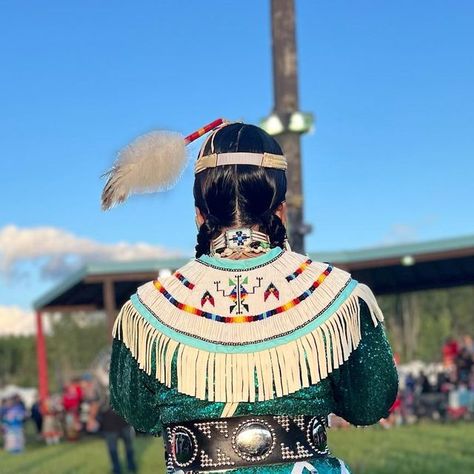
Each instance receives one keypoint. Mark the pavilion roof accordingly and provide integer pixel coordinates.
(387, 269)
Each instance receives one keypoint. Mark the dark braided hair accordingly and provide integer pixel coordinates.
(240, 195)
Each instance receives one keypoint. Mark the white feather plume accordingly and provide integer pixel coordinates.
(153, 162)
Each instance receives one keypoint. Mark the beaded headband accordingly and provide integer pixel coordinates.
(266, 160)
(213, 159)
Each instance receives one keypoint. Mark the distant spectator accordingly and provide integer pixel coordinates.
(51, 410)
(450, 352)
(13, 417)
(408, 398)
(115, 427)
(72, 395)
(443, 383)
(458, 401)
(90, 403)
(37, 417)
(424, 382)
(468, 343)
(464, 362)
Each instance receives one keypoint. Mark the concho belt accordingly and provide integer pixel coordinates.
(232, 443)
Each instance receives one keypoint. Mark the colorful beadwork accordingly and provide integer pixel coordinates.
(202, 131)
(239, 237)
(207, 298)
(271, 290)
(243, 319)
(299, 270)
(239, 293)
(184, 280)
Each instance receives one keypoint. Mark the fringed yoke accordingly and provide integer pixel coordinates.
(245, 331)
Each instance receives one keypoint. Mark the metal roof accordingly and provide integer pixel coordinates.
(397, 251)
(432, 264)
(104, 269)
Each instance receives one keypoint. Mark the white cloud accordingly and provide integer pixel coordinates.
(404, 233)
(58, 252)
(401, 234)
(16, 321)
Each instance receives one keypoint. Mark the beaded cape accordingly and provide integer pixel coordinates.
(244, 333)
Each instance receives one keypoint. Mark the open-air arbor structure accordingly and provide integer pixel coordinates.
(387, 270)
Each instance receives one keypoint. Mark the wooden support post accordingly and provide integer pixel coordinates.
(41, 359)
(109, 304)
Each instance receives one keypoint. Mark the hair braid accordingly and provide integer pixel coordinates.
(273, 226)
(207, 231)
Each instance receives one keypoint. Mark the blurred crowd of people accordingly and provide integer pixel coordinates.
(67, 415)
(440, 391)
(61, 416)
(443, 391)
(81, 409)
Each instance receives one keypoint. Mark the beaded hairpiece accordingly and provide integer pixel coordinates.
(240, 240)
(155, 161)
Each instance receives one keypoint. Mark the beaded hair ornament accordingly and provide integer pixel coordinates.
(155, 161)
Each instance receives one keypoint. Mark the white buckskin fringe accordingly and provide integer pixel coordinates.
(246, 377)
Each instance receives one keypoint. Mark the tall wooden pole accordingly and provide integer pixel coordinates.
(285, 85)
(108, 292)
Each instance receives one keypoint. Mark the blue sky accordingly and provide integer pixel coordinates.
(391, 84)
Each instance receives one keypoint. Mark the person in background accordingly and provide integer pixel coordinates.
(37, 417)
(13, 418)
(464, 363)
(51, 426)
(468, 343)
(90, 402)
(114, 427)
(409, 398)
(3, 409)
(72, 396)
(450, 351)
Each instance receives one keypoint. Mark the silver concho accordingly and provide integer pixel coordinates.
(253, 440)
(184, 447)
(316, 436)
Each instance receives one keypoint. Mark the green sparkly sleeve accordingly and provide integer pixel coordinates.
(132, 391)
(366, 385)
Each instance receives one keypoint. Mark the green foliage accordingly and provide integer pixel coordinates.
(419, 323)
(18, 360)
(72, 347)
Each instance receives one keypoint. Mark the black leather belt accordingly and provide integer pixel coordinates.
(231, 443)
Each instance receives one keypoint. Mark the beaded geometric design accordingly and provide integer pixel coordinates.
(244, 319)
(283, 421)
(220, 426)
(299, 453)
(239, 293)
(238, 238)
(207, 298)
(271, 290)
(299, 270)
(221, 460)
(299, 421)
(184, 280)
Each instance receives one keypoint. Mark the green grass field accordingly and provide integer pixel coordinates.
(421, 449)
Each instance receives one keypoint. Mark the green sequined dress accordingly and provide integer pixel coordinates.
(361, 389)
